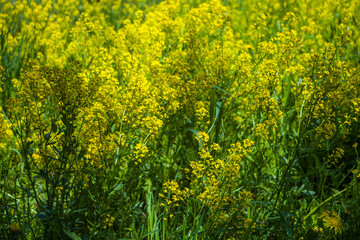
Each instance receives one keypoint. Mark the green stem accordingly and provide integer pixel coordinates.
(324, 202)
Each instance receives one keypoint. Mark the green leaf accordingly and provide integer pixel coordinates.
(72, 235)
(222, 90)
(150, 233)
(196, 133)
(285, 223)
(212, 105)
(118, 187)
(308, 192)
(199, 225)
(79, 210)
(218, 115)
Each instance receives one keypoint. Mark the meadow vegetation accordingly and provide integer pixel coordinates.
(179, 119)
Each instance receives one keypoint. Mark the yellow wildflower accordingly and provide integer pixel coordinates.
(332, 220)
(15, 227)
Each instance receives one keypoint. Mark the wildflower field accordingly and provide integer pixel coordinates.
(179, 119)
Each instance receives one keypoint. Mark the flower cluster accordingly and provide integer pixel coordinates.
(197, 99)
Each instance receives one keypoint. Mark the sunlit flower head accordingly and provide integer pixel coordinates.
(332, 220)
